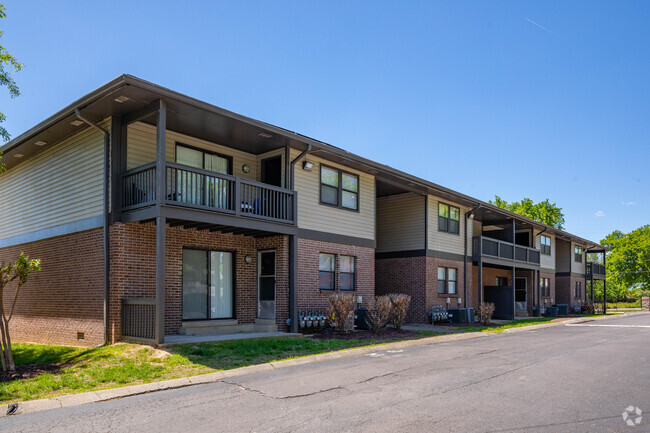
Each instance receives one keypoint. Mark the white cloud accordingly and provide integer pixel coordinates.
(629, 203)
(600, 213)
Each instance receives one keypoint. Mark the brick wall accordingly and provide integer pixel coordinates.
(66, 297)
(565, 287)
(406, 275)
(308, 293)
(134, 267)
(418, 277)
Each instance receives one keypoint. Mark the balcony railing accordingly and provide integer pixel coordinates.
(595, 270)
(209, 190)
(488, 247)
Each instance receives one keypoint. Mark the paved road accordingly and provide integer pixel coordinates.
(561, 379)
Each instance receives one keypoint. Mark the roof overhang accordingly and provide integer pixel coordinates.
(200, 119)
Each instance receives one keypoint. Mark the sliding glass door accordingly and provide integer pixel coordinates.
(207, 284)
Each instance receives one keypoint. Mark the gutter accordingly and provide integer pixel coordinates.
(468, 214)
(107, 144)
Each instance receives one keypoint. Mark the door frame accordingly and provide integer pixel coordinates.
(275, 280)
(263, 171)
(207, 282)
(525, 290)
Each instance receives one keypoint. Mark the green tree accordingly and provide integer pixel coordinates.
(8, 64)
(628, 262)
(18, 271)
(544, 211)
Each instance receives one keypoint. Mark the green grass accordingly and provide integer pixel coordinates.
(68, 370)
(511, 324)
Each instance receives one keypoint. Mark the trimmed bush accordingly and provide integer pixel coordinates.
(341, 311)
(485, 312)
(399, 307)
(380, 315)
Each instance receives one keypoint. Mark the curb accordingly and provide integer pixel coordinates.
(127, 391)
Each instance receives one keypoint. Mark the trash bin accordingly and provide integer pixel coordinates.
(470, 315)
(361, 319)
(562, 309)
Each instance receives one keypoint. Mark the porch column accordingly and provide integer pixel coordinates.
(605, 284)
(514, 297)
(480, 280)
(161, 221)
(537, 276)
(293, 282)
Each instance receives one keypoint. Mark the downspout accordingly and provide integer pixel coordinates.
(293, 257)
(296, 159)
(468, 214)
(107, 144)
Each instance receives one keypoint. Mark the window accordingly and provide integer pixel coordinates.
(346, 276)
(208, 278)
(577, 254)
(546, 245)
(578, 290)
(338, 188)
(326, 271)
(545, 287)
(448, 219)
(502, 281)
(202, 159)
(447, 278)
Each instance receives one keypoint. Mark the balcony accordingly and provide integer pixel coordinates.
(595, 271)
(199, 189)
(493, 248)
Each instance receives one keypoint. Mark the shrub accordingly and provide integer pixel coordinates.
(380, 315)
(588, 308)
(341, 311)
(399, 307)
(485, 312)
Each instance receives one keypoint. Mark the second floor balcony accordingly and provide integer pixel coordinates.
(486, 247)
(208, 190)
(595, 271)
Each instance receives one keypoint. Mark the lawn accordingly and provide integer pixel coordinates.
(48, 371)
(512, 324)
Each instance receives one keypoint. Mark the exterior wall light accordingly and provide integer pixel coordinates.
(246, 168)
(248, 259)
(309, 166)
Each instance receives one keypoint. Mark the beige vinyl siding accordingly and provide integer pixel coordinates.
(314, 216)
(546, 262)
(400, 222)
(478, 228)
(141, 149)
(578, 267)
(447, 242)
(61, 184)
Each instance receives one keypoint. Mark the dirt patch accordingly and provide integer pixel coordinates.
(384, 334)
(29, 371)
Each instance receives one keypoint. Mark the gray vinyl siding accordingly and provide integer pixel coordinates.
(546, 262)
(60, 185)
(400, 222)
(315, 216)
(141, 149)
(447, 242)
(578, 267)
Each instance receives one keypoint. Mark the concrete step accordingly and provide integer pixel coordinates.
(217, 327)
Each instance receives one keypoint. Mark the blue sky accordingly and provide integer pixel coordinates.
(538, 99)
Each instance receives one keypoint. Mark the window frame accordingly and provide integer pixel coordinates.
(577, 290)
(333, 272)
(577, 257)
(448, 218)
(545, 249)
(353, 273)
(545, 287)
(234, 293)
(339, 188)
(446, 281)
(205, 152)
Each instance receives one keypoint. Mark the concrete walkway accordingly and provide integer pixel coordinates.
(189, 339)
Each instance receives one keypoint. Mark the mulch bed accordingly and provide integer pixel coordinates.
(28, 371)
(360, 334)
